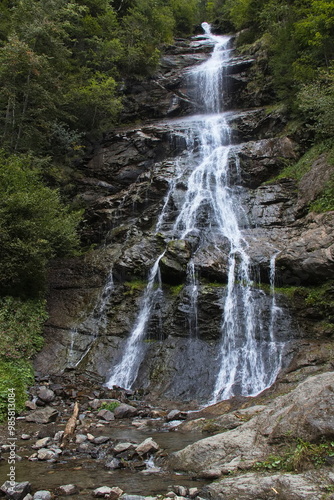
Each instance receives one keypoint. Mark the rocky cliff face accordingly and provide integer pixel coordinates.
(124, 185)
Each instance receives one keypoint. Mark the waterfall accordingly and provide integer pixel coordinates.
(248, 357)
(125, 372)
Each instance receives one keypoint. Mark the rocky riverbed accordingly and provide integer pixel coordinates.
(124, 447)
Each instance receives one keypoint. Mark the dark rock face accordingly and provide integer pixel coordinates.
(124, 185)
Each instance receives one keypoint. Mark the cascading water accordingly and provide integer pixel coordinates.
(248, 358)
(125, 372)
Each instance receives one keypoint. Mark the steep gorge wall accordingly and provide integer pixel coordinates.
(123, 185)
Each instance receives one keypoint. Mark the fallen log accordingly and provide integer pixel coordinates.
(70, 426)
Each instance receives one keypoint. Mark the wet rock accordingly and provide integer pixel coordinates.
(58, 436)
(147, 446)
(67, 489)
(41, 443)
(45, 394)
(180, 490)
(42, 495)
(80, 438)
(113, 464)
(120, 447)
(43, 416)
(14, 490)
(46, 454)
(125, 411)
(106, 415)
(101, 439)
(173, 264)
(106, 492)
(30, 405)
(115, 493)
(176, 415)
(133, 497)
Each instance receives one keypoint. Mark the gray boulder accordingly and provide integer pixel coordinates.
(125, 411)
(43, 416)
(16, 491)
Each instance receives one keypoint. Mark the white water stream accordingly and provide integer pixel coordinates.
(249, 358)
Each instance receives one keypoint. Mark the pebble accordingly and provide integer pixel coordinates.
(147, 446)
(67, 489)
(41, 443)
(113, 464)
(45, 454)
(120, 447)
(103, 491)
(101, 439)
(80, 438)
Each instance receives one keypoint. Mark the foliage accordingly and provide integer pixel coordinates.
(35, 226)
(176, 289)
(316, 101)
(110, 406)
(302, 455)
(21, 324)
(185, 13)
(18, 375)
(134, 286)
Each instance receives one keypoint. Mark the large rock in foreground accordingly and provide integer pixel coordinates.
(277, 486)
(307, 413)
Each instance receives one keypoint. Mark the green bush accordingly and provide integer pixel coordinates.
(110, 406)
(21, 324)
(17, 375)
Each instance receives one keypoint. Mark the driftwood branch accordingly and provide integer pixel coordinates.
(70, 426)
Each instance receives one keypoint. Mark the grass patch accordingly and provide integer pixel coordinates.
(134, 286)
(176, 289)
(301, 456)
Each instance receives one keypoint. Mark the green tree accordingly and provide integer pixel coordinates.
(147, 25)
(186, 15)
(35, 226)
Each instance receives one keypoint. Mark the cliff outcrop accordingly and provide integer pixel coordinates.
(124, 183)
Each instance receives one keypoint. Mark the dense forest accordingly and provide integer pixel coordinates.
(63, 65)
